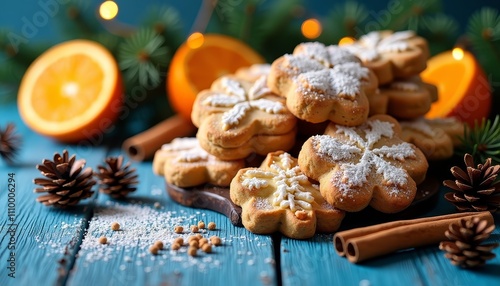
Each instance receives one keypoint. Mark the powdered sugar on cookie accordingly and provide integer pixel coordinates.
(370, 158)
(278, 196)
(240, 101)
(372, 45)
(288, 181)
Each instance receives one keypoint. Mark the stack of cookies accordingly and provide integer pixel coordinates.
(397, 59)
(356, 153)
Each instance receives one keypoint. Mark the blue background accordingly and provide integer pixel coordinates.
(132, 12)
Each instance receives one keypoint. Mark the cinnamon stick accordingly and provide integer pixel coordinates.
(367, 242)
(143, 145)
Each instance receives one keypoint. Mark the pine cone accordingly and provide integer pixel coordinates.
(116, 180)
(67, 182)
(476, 189)
(465, 249)
(9, 143)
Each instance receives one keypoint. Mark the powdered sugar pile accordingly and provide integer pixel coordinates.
(141, 226)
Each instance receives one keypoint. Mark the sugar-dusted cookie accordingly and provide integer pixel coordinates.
(434, 142)
(185, 164)
(391, 55)
(277, 196)
(364, 165)
(237, 117)
(323, 83)
(409, 98)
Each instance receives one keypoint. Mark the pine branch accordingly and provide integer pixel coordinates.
(74, 22)
(344, 20)
(441, 32)
(166, 21)
(482, 141)
(483, 31)
(411, 15)
(143, 58)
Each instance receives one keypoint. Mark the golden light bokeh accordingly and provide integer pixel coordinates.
(195, 40)
(311, 28)
(108, 10)
(457, 53)
(346, 41)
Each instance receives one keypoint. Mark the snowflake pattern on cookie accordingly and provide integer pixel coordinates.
(240, 102)
(390, 55)
(185, 164)
(236, 118)
(323, 83)
(368, 164)
(279, 197)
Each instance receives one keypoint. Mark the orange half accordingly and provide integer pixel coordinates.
(71, 92)
(463, 88)
(199, 61)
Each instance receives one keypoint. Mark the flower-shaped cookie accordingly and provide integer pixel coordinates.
(435, 137)
(409, 98)
(185, 164)
(279, 197)
(237, 117)
(364, 165)
(323, 83)
(392, 55)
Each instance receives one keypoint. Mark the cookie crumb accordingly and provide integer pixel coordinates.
(178, 229)
(194, 228)
(215, 240)
(207, 248)
(192, 251)
(115, 226)
(103, 240)
(203, 241)
(157, 205)
(159, 244)
(201, 224)
(194, 243)
(179, 240)
(211, 225)
(153, 249)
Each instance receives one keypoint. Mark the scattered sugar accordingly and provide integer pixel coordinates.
(142, 225)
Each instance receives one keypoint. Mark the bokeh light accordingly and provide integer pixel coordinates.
(457, 53)
(311, 28)
(195, 40)
(108, 10)
(346, 41)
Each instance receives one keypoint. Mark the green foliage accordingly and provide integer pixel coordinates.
(76, 20)
(413, 12)
(441, 32)
(344, 20)
(270, 27)
(483, 31)
(482, 141)
(142, 57)
(166, 21)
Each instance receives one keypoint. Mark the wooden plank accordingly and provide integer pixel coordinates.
(243, 257)
(312, 262)
(45, 238)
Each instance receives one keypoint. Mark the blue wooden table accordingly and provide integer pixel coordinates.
(48, 246)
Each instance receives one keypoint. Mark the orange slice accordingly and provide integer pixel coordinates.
(463, 88)
(71, 92)
(201, 60)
